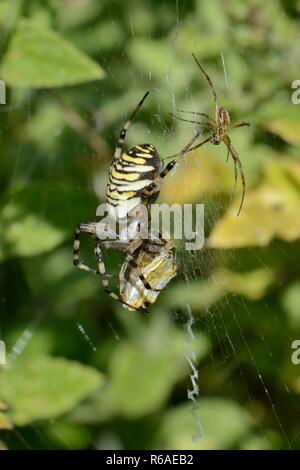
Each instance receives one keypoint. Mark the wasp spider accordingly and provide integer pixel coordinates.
(134, 180)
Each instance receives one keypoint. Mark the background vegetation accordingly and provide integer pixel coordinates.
(83, 372)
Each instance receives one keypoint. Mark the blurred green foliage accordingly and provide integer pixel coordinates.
(82, 372)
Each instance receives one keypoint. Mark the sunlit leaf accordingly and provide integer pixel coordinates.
(2, 446)
(200, 173)
(272, 210)
(250, 284)
(200, 295)
(288, 130)
(5, 423)
(3, 406)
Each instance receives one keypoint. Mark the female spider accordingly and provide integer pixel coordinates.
(134, 180)
(220, 127)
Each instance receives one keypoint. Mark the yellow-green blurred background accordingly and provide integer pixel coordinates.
(83, 372)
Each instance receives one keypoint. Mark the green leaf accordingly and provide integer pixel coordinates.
(152, 56)
(9, 12)
(44, 387)
(74, 14)
(99, 407)
(33, 220)
(68, 435)
(42, 235)
(141, 381)
(143, 372)
(47, 121)
(39, 57)
(224, 423)
(269, 441)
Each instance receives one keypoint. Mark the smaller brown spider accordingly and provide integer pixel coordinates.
(220, 127)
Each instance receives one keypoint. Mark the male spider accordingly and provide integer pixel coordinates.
(220, 127)
(134, 181)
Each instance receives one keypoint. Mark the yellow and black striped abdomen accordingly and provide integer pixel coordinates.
(129, 175)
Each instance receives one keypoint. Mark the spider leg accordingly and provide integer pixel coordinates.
(204, 124)
(235, 170)
(237, 164)
(227, 154)
(170, 165)
(150, 189)
(200, 145)
(125, 128)
(240, 124)
(130, 259)
(198, 114)
(104, 277)
(210, 85)
(235, 174)
(90, 229)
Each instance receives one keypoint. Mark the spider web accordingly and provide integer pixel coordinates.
(228, 333)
